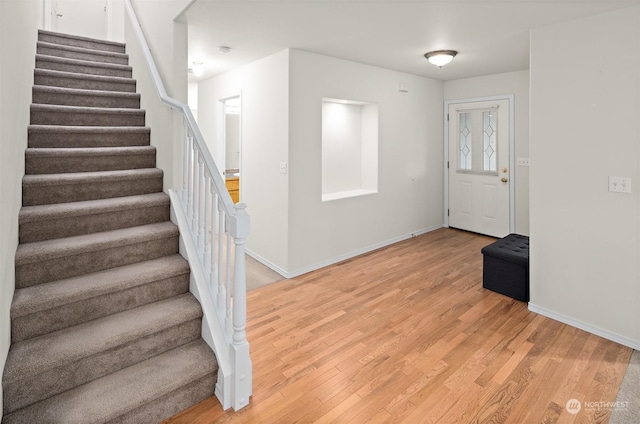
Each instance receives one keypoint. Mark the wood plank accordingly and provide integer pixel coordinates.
(407, 334)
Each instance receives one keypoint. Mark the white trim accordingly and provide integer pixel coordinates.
(512, 154)
(340, 258)
(609, 335)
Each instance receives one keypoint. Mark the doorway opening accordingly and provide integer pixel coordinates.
(231, 146)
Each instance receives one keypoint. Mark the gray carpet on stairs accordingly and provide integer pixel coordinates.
(104, 328)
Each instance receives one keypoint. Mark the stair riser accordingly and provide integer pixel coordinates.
(78, 225)
(84, 263)
(87, 119)
(47, 194)
(52, 51)
(29, 390)
(61, 139)
(50, 320)
(85, 44)
(64, 99)
(127, 86)
(169, 405)
(83, 69)
(57, 164)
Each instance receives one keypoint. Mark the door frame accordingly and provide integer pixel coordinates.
(512, 154)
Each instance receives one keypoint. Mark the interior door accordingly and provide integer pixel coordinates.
(479, 167)
(86, 18)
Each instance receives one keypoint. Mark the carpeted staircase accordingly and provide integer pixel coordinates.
(103, 326)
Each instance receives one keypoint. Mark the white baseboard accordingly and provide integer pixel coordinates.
(340, 258)
(609, 335)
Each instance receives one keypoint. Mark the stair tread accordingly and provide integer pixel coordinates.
(37, 107)
(75, 75)
(90, 207)
(81, 49)
(79, 177)
(81, 62)
(83, 92)
(86, 129)
(80, 37)
(57, 293)
(31, 357)
(42, 152)
(37, 251)
(115, 394)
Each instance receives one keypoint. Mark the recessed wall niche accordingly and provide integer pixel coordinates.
(349, 148)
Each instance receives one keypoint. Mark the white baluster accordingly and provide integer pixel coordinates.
(213, 280)
(193, 192)
(221, 288)
(185, 160)
(208, 234)
(189, 202)
(196, 196)
(201, 209)
(228, 284)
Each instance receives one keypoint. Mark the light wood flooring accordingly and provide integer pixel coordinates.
(407, 334)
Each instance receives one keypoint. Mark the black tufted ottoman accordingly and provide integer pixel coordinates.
(506, 267)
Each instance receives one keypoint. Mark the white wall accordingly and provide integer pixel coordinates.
(516, 83)
(265, 127)
(167, 41)
(19, 22)
(192, 99)
(115, 28)
(585, 126)
(410, 151)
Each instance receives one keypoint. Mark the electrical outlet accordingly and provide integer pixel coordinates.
(283, 167)
(523, 162)
(620, 184)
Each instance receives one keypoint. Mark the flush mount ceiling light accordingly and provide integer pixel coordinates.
(440, 57)
(224, 49)
(197, 68)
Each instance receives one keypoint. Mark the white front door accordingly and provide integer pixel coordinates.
(479, 166)
(87, 18)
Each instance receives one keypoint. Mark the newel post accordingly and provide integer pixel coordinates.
(242, 367)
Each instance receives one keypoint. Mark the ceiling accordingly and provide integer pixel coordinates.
(491, 36)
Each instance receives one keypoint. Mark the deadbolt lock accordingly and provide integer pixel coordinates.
(504, 170)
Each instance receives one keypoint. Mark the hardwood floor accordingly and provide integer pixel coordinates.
(407, 334)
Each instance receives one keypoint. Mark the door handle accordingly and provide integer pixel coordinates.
(59, 15)
(504, 179)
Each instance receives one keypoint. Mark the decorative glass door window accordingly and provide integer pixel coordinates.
(489, 128)
(478, 141)
(466, 144)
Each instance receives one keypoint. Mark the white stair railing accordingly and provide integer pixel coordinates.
(216, 232)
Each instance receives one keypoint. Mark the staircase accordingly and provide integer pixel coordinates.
(103, 326)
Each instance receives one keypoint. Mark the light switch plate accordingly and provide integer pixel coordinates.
(283, 167)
